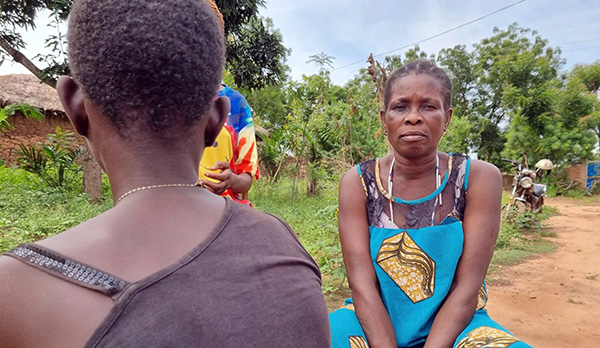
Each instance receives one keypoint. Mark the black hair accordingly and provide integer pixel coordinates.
(155, 61)
(420, 67)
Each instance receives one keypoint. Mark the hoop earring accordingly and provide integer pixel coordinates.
(385, 132)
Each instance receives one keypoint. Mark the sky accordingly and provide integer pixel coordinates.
(351, 29)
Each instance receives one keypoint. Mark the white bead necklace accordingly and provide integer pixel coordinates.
(437, 186)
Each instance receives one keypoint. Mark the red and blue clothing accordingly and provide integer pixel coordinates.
(235, 144)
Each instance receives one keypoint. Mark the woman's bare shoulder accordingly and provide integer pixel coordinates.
(484, 171)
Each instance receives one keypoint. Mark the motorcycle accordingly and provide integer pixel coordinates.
(528, 196)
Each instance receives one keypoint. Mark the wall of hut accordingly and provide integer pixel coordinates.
(30, 132)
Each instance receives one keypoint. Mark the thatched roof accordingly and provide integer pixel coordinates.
(28, 89)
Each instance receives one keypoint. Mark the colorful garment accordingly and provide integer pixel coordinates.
(415, 264)
(235, 144)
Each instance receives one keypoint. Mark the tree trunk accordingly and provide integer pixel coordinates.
(380, 84)
(312, 187)
(92, 175)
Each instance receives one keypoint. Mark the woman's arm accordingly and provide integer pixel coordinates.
(354, 235)
(481, 224)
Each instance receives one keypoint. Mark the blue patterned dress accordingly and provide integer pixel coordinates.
(415, 264)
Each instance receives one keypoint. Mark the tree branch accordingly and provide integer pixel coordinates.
(21, 59)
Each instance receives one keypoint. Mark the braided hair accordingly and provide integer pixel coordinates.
(420, 67)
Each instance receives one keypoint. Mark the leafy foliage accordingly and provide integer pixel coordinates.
(54, 160)
(256, 54)
(28, 111)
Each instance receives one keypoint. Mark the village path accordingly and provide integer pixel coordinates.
(553, 300)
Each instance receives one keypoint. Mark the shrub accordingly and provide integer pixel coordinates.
(53, 160)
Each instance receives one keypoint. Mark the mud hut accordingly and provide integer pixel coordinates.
(27, 89)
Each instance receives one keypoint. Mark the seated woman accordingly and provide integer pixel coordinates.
(418, 229)
(171, 265)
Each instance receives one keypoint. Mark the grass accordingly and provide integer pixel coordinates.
(525, 249)
(30, 211)
(520, 237)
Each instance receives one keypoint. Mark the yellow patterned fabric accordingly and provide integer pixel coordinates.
(408, 265)
(358, 342)
(349, 306)
(487, 337)
(482, 298)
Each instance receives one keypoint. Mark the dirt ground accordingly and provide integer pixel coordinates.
(553, 300)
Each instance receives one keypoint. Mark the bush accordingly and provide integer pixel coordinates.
(507, 236)
(53, 160)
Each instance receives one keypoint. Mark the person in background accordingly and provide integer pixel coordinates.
(418, 229)
(230, 165)
(171, 264)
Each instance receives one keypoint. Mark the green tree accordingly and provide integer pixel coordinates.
(514, 65)
(322, 60)
(457, 138)
(548, 126)
(270, 111)
(589, 76)
(458, 64)
(362, 137)
(256, 54)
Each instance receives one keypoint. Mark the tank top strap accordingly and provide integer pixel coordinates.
(460, 182)
(362, 180)
(468, 167)
(69, 270)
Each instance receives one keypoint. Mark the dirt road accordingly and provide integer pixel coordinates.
(553, 300)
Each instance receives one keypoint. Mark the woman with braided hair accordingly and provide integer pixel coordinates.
(172, 264)
(418, 229)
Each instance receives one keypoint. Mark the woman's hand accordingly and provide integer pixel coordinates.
(354, 235)
(481, 224)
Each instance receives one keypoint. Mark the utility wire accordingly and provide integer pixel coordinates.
(434, 36)
(580, 41)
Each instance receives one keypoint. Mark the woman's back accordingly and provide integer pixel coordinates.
(207, 297)
(171, 264)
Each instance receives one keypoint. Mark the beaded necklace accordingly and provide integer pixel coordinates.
(437, 193)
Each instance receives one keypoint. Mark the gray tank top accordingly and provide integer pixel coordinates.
(249, 284)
